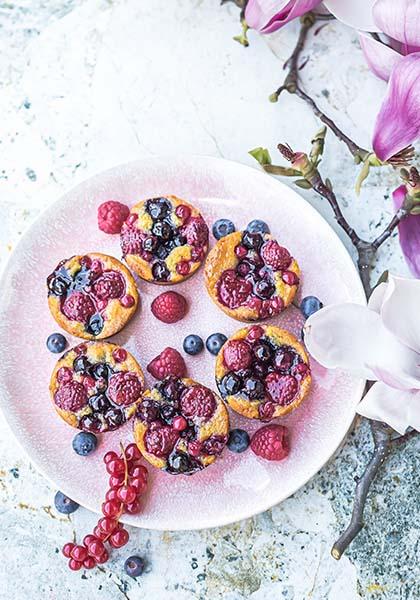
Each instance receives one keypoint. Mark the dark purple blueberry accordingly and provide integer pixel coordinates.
(180, 462)
(84, 443)
(222, 227)
(214, 445)
(167, 411)
(99, 403)
(64, 504)
(56, 343)
(180, 240)
(310, 305)
(100, 371)
(252, 241)
(238, 440)
(161, 252)
(283, 359)
(95, 325)
(244, 268)
(160, 271)
(81, 365)
(215, 342)
(193, 344)
(254, 258)
(162, 230)
(231, 384)
(263, 352)
(171, 388)
(157, 208)
(258, 226)
(149, 244)
(114, 417)
(80, 280)
(148, 411)
(90, 423)
(134, 566)
(261, 369)
(254, 388)
(264, 289)
(57, 285)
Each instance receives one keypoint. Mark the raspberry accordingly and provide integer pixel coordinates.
(237, 355)
(275, 255)
(64, 374)
(233, 292)
(198, 401)
(78, 307)
(196, 231)
(109, 285)
(124, 388)
(270, 442)
(266, 411)
(214, 445)
(255, 333)
(169, 362)
(290, 278)
(169, 307)
(281, 388)
(111, 216)
(71, 396)
(160, 441)
(183, 212)
(131, 241)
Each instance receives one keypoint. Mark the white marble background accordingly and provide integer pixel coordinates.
(87, 84)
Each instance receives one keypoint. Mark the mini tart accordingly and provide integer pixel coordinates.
(92, 296)
(250, 276)
(263, 372)
(96, 386)
(185, 447)
(164, 240)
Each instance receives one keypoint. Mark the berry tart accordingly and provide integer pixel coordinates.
(263, 372)
(250, 276)
(164, 240)
(96, 386)
(181, 426)
(92, 296)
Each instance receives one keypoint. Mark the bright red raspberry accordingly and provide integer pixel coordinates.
(270, 442)
(124, 388)
(196, 231)
(160, 441)
(169, 307)
(131, 241)
(169, 362)
(281, 388)
(237, 355)
(110, 285)
(71, 396)
(266, 410)
(183, 212)
(78, 307)
(198, 401)
(275, 255)
(233, 292)
(111, 216)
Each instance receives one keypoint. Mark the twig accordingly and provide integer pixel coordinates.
(395, 221)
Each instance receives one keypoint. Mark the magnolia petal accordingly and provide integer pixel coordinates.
(356, 13)
(400, 311)
(380, 57)
(398, 122)
(353, 338)
(267, 16)
(399, 19)
(409, 233)
(377, 297)
(398, 408)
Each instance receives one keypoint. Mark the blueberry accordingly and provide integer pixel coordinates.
(254, 388)
(264, 289)
(99, 403)
(263, 352)
(231, 384)
(193, 344)
(81, 365)
(238, 440)
(57, 285)
(134, 566)
(161, 252)
(95, 325)
(162, 230)
(160, 271)
(64, 504)
(84, 443)
(252, 241)
(223, 227)
(310, 305)
(149, 244)
(100, 371)
(157, 208)
(114, 418)
(56, 342)
(214, 343)
(257, 226)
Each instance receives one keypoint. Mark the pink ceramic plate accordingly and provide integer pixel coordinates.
(237, 486)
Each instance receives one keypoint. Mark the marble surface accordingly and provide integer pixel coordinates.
(87, 84)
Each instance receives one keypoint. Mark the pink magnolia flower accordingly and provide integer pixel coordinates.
(267, 16)
(409, 233)
(379, 342)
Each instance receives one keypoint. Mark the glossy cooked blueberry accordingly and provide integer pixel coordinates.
(160, 271)
(99, 403)
(180, 462)
(90, 423)
(114, 417)
(264, 289)
(157, 208)
(84, 443)
(162, 230)
(56, 342)
(238, 440)
(263, 352)
(100, 371)
(193, 344)
(231, 384)
(310, 305)
(81, 280)
(148, 411)
(223, 227)
(254, 388)
(167, 411)
(258, 226)
(81, 365)
(214, 343)
(171, 388)
(64, 504)
(95, 325)
(57, 285)
(149, 244)
(244, 268)
(134, 566)
(252, 241)
(162, 252)
(179, 240)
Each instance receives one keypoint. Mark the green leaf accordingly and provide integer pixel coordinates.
(415, 210)
(278, 170)
(363, 174)
(261, 155)
(302, 183)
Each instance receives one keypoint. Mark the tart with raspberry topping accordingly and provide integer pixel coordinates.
(263, 372)
(164, 240)
(96, 386)
(250, 276)
(181, 426)
(92, 296)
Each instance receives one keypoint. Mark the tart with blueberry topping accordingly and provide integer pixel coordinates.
(96, 386)
(250, 276)
(164, 240)
(181, 426)
(92, 296)
(263, 372)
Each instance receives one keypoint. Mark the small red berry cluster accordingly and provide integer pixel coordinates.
(128, 480)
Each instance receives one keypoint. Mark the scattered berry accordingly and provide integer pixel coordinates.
(134, 566)
(215, 342)
(257, 226)
(237, 355)
(111, 216)
(193, 344)
(310, 305)
(169, 362)
(124, 388)
(64, 504)
(56, 342)
(223, 227)
(238, 440)
(275, 255)
(169, 307)
(198, 401)
(270, 442)
(84, 443)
